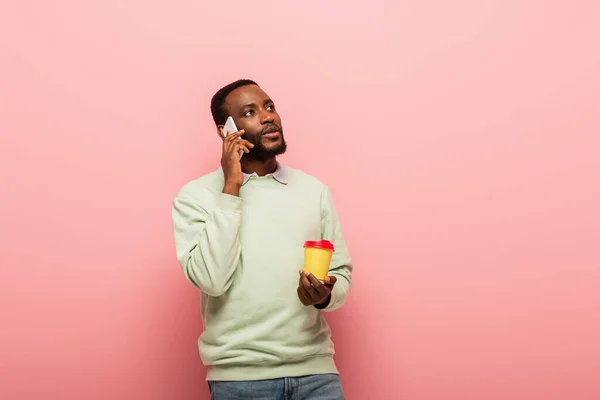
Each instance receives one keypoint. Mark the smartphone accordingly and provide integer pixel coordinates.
(230, 126)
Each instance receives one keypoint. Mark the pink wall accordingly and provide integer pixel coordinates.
(465, 134)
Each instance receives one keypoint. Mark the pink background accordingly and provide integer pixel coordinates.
(461, 141)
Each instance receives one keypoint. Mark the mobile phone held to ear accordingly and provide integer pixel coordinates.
(231, 128)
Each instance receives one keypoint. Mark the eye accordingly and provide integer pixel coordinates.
(248, 113)
(271, 107)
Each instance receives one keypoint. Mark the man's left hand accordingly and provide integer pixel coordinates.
(313, 292)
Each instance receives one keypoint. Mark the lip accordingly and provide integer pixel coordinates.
(271, 135)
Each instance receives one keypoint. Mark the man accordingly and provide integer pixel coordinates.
(239, 235)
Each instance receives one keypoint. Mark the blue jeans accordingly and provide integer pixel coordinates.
(312, 387)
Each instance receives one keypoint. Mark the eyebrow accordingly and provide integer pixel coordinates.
(253, 105)
(249, 105)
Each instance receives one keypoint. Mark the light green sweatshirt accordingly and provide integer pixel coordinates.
(244, 254)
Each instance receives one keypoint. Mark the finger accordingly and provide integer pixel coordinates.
(244, 143)
(235, 135)
(303, 296)
(311, 292)
(237, 147)
(242, 146)
(330, 281)
(305, 282)
(319, 287)
(308, 286)
(300, 296)
(231, 138)
(301, 287)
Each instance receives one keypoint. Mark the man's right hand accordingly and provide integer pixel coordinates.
(230, 161)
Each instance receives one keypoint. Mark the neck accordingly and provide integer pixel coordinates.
(261, 168)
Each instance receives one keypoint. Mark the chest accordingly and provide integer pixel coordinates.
(275, 224)
(278, 214)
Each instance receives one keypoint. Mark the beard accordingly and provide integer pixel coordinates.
(261, 153)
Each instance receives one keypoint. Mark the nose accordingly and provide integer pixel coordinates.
(266, 118)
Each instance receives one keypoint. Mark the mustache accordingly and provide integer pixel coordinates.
(270, 129)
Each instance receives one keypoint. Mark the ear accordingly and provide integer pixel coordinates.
(220, 131)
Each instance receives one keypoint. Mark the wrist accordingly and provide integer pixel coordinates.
(232, 189)
(325, 303)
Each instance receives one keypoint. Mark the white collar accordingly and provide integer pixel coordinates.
(280, 175)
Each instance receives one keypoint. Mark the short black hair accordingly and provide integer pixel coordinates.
(218, 100)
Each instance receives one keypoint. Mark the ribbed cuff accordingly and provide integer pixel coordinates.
(332, 300)
(230, 203)
(325, 304)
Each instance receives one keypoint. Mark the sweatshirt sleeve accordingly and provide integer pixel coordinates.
(207, 238)
(341, 264)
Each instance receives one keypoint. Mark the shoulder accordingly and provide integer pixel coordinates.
(298, 177)
(210, 183)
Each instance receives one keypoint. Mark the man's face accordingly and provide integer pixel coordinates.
(253, 111)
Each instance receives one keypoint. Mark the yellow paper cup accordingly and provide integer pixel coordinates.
(317, 257)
